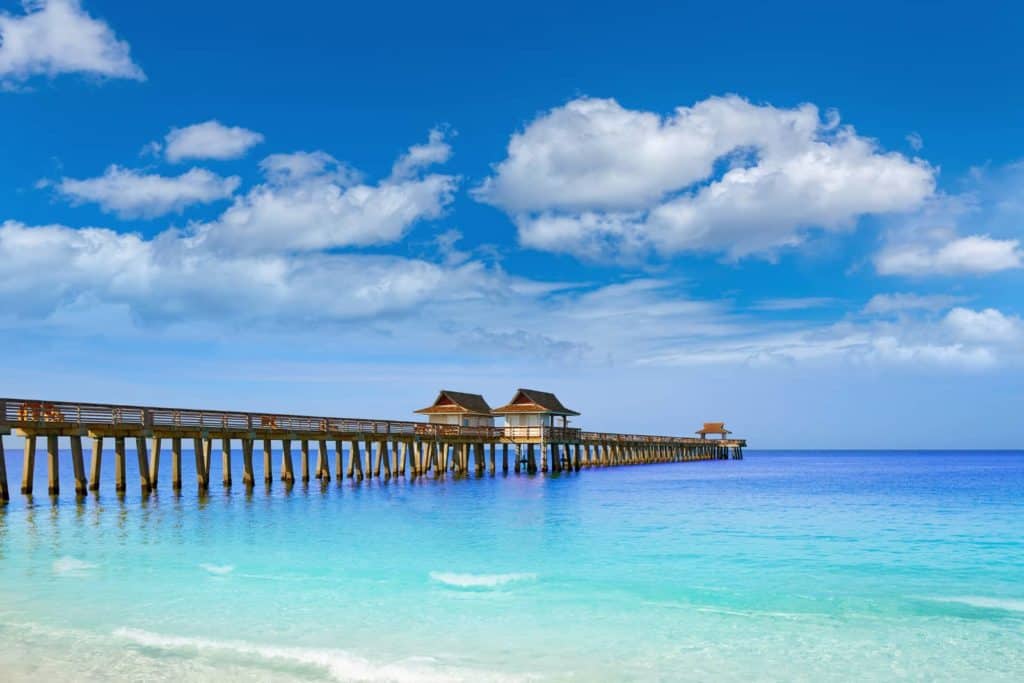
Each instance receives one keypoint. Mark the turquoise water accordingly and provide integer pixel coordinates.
(783, 566)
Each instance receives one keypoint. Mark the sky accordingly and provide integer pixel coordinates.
(803, 219)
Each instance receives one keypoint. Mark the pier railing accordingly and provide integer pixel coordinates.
(44, 416)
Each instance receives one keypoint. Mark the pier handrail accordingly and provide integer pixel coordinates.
(37, 414)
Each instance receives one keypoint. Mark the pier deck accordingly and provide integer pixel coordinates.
(418, 448)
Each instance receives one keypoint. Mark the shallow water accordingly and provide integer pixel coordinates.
(784, 566)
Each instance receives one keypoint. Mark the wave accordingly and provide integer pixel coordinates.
(479, 580)
(218, 569)
(71, 566)
(981, 602)
(338, 664)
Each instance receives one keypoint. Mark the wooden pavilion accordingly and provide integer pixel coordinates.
(713, 428)
(459, 408)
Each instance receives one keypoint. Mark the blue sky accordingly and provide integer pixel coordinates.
(802, 219)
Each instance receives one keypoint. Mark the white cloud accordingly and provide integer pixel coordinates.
(988, 325)
(57, 36)
(176, 277)
(793, 303)
(435, 151)
(209, 140)
(130, 193)
(882, 304)
(310, 201)
(595, 179)
(972, 255)
(971, 232)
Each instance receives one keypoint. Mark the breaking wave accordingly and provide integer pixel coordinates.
(479, 580)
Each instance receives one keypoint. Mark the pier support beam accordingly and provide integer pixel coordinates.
(304, 460)
(143, 458)
(225, 461)
(78, 465)
(5, 493)
(120, 485)
(176, 463)
(154, 462)
(339, 459)
(355, 461)
(202, 477)
(323, 470)
(52, 466)
(28, 472)
(287, 471)
(97, 463)
(531, 459)
(504, 458)
(248, 476)
(268, 462)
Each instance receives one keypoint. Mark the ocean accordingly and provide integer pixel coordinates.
(785, 566)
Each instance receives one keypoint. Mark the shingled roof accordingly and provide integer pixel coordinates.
(448, 401)
(533, 401)
(713, 428)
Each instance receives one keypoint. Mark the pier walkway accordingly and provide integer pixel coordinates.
(376, 447)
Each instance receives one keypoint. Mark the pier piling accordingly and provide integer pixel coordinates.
(78, 465)
(52, 466)
(28, 472)
(176, 463)
(97, 463)
(5, 494)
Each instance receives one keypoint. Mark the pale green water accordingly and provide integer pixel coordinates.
(812, 566)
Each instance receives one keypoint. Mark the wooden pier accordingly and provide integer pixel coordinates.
(377, 448)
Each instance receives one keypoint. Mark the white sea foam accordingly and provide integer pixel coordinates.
(1005, 604)
(71, 566)
(218, 569)
(479, 580)
(338, 664)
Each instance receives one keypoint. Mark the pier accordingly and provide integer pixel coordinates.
(377, 448)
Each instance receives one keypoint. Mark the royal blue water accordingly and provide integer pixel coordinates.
(815, 566)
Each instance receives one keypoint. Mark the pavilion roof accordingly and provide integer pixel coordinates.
(713, 428)
(534, 401)
(448, 401)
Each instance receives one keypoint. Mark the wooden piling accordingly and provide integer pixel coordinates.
(323, 472)
(176, 463)
(28, 472)
(287, 471)
(519, 457)
(120, 485)
(531, 459)
(202, 476)
(207, 455)
(78, 465)
(52, 466)
(5, 493)
(154, 462)
(268, 462)
(304, 460)
(225, 461)
(384, 457)
(339, 459)
(248, 476)
(96, 464)
(355, 461)
(143, 458)
(504, 458)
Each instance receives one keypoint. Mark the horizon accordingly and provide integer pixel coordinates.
(728, 214)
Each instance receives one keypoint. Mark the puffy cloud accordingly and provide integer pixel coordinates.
(209, 140)
(598, 180)
(988, 325)
(57, 36)
(971, 255)
(971, 232)
(310, 201)
(130, 194)
(174, 277)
